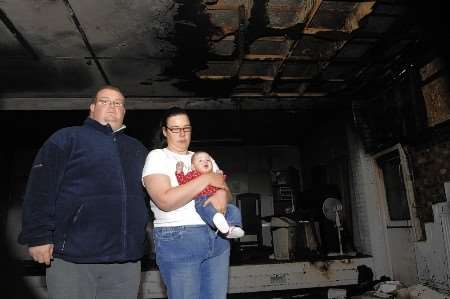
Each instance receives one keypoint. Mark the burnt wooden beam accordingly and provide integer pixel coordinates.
(311, 13)
(85, 40)
(241, 37)
(16, 33)
(245, 101)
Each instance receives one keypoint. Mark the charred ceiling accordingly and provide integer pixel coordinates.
(224, 54)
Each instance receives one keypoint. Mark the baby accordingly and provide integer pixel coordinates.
(229, 224)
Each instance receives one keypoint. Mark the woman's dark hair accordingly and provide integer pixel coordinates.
(159, 141)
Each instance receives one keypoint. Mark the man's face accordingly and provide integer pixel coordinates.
(108, 108)
(202, 162)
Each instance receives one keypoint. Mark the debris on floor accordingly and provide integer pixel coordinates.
(396, 290)
(420, 291)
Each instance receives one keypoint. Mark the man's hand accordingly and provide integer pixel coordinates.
(42, 253)
(219, 200)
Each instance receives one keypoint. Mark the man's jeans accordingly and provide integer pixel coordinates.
(193, 261)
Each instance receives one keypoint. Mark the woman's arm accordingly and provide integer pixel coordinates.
(169, 198)
(220, 199)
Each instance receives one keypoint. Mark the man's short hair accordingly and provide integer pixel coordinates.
(110, 87)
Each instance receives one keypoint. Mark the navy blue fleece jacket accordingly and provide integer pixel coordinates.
(85, 196)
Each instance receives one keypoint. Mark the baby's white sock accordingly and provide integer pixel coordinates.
(235, 232)
(221, 223)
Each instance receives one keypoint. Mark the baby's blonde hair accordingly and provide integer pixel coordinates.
(198, 153)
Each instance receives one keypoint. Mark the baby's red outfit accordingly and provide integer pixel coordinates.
(184, 178)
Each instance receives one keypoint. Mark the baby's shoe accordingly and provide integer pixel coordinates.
(235, 232)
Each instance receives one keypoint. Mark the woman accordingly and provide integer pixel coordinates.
(193, 260)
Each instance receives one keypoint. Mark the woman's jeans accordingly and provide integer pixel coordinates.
(193, 261)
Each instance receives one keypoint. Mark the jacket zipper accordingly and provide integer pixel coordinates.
(124, 195)
(74, 219)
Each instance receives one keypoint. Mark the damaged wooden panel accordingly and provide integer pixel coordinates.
(225, 20)
(178, 47)
(269, 48)
(285, 13)
(296, 71)
(332, 15)
(225, 4)
(339, 29)
(437, 100)
(264, 70)
(435, 91)
(224, 47)
(431, 69)
(311, 48)
(251, 87)
(354, 19)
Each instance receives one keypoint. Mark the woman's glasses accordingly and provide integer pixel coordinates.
(177, 130)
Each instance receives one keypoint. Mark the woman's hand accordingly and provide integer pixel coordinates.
(169, 198)
(219, 201)
(217, 180)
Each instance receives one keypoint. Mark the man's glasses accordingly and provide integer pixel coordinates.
(177, 130)
(115, 104)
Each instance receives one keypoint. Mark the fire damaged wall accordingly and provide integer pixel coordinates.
(431, 168)
(430, 154)
(413, 111)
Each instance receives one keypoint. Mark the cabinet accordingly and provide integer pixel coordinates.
(285, 186)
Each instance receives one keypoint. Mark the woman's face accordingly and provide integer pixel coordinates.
(178, 133)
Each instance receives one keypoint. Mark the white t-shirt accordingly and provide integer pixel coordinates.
(163, 161)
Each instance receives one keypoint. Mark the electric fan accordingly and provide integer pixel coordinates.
(332, 209)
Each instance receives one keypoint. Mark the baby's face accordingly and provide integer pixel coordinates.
(202, 162)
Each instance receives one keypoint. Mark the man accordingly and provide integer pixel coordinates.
(84, 212)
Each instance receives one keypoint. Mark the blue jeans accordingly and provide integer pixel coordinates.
(193, 261)
(233, 214)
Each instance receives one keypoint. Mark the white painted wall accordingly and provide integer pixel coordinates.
(368, 220)
(431, 254)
